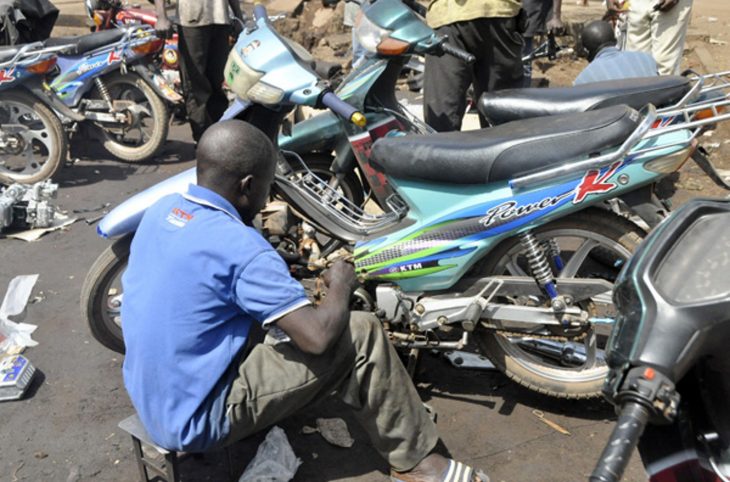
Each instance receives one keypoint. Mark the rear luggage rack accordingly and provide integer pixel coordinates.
(693, 116)
(326, 200)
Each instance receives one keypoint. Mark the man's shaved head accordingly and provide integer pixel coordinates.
(229, 153)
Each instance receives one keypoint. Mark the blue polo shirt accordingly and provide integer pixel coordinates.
(612, 64)
(197, 279)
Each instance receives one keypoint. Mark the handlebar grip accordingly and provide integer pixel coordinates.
(625, 436)
(259, 12)
(343, 109)
(458, 53)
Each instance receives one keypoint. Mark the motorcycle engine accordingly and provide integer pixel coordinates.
(27, 207)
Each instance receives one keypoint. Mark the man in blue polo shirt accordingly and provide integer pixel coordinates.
(607, 62)
(199, 277)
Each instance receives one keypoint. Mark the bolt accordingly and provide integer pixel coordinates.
(420, 309)
(442, 320)
(558, 305)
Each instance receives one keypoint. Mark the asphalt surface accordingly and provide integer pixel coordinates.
(66, 427)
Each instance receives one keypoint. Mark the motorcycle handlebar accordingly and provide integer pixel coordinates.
(342, 109)
(615, 457)
(458, 53)
(416, 7)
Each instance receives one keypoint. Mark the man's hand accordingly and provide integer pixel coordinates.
(665, 5)
(615, 5)
(555, 25)
(342, 274)
(163, 27)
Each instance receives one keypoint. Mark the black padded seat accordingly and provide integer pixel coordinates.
(514, 104)
(86, 43)
(501, 153)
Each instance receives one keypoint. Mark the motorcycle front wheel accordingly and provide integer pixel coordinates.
(145, 132)
(33, 144)
(593, 244)
(101, 294)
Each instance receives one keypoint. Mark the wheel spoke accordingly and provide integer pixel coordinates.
(591, 348)
(514, 269)
(576, 260)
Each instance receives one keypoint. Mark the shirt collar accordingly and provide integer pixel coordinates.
(607, 51)
(206, 197)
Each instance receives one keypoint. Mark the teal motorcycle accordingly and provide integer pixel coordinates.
(489, 239)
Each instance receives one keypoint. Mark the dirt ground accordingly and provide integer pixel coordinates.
(66, 427)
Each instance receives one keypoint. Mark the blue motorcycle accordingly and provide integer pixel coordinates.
(492, 236)
(103, 83)
(33, 143)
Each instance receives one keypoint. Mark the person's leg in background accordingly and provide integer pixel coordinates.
(638, 31)
(500, 66)
(445, 82)
(218, 49)
(194, 52)
(668, 31)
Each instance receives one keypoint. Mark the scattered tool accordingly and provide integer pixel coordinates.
(541, 416)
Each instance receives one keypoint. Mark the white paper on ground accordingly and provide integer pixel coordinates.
(34, 234)
(275, 460)
(12, 334)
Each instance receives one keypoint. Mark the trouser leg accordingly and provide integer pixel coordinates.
(499, 65)
(218, 55)
(669, 30)
(274, 382)
(194, 50)
(445, 82)
(638, 30)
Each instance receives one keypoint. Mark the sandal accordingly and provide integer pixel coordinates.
(455, 472)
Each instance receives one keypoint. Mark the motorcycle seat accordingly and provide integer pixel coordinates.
(514, 104)
(503, 152)
(86, 43)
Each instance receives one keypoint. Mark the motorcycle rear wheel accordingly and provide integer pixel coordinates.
(603, 241)
(41, 143)
(120, 142)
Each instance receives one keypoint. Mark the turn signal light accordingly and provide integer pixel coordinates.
(98, 19)
(708, 113)
(42, 67)
(391, 46)
(148, 47)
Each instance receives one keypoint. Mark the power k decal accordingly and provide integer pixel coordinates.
(114, 56)
(596, 183)
(7, 75)
(510, 210)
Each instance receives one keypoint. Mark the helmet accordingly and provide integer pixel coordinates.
(597, 35)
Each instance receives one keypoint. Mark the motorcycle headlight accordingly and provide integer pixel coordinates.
(368, 34)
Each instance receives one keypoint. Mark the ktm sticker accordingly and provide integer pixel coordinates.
(178, 217)
(7, 75)
(596, 183)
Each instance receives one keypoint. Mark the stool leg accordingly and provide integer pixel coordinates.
(171, 467)
(138, 455)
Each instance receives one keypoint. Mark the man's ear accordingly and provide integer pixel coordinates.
(245, 185)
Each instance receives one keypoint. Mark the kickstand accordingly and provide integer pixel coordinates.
(413, 356)
(700, 157)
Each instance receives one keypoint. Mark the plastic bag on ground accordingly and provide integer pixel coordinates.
(275, 460)
(16, 336)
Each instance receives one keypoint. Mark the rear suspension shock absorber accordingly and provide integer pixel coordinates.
(104, 91)
(538, 262)
(551, 247)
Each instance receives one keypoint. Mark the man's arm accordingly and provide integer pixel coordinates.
(555, 24)
(314, 330)
(163, 25)
(236, 7)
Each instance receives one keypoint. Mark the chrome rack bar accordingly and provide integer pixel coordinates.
(687, 115)
(530, 180)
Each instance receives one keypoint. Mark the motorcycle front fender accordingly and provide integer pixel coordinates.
(125, 218)
(236, 107)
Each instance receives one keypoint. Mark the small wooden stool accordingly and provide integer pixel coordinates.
(166, 469)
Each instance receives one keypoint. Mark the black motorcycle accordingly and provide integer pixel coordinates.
(668, 354)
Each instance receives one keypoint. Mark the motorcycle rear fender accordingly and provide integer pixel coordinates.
(125, 218)
(154, 79)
